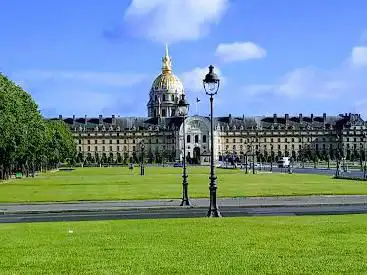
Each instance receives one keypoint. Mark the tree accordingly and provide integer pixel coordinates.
(150, 155)
(27, 141)
(119, 158)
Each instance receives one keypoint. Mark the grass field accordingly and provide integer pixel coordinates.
(120, 183)
(256, 245)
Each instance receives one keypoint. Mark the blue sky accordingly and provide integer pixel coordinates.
(93, 57)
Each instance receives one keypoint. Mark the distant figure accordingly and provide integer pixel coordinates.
(131, 166)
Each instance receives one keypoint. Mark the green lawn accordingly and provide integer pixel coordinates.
(120, 183)
(256, 245)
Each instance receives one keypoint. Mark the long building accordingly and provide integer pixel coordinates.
(299, 136)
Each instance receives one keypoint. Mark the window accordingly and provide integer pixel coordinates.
(133, 148)
(286, 140)
(226, 140)
(118, 148)
(278, 147)
(355, 140)
(80, 142)
(95, 148)
(164, 113)
(299, 147)
(204, 138)
(110, 148)
(124, 141)
(110, 141)
(118, 141)
(103, 141)
(323, 146)
(188, 139)
(234, 140)
(172, 97)
(164, 97)
(278, 139)
(241, 140)
(196, 138)
(96, 141)
(286, 147)
(80, 148)
(292, 139)
(234, 147)
(103, 148)
(88, 141)
(133, 141)
(271, 140)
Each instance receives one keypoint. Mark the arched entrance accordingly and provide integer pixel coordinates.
(196, 157)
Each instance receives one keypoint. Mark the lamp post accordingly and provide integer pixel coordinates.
(183, 110)
(337, 172)
(365, 162)
(142, 169)
(211, 86)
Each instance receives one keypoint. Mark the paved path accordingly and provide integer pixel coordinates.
(13, 208)
(158, 213)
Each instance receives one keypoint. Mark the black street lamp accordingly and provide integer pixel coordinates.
(211, 86)
(142, 147)
(364, 155)
(183, 110)
(337, 172)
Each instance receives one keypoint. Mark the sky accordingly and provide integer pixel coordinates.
(92, 57)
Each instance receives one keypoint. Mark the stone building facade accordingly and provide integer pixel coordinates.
(301, 136)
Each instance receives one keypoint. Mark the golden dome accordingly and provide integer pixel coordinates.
(167, 80)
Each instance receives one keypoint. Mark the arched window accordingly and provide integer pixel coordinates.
(172, 97)
(164, 97)
(163, 111)
(188, 139)
(196, 138)
(204, 138)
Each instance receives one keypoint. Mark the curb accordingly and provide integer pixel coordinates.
(162, 208)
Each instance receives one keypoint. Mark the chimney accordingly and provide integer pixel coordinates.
(113, 120)
(73, 119)
(243, 117)
(275, 118)
(230, 119)
(300, 118)
(286, 117)
(85, 119)
(324, 119)
(100, 122)
(60, 117)
(311, 118)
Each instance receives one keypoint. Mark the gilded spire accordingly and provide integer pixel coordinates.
(166, 62)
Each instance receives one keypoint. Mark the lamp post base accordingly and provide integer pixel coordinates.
(213, 213)
(185, 202)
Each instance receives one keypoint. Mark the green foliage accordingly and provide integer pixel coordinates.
(27, 141)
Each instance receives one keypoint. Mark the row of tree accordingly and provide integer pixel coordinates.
(136, 157)
(302, 155)
(29, 143)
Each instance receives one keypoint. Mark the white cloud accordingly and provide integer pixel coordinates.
(359, 56)
(239, 51)
(345, 81)
(98, 78)
(171, 21)
(193, 80)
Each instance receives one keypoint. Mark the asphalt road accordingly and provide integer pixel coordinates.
(162, 213)
(319, 171)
